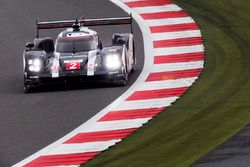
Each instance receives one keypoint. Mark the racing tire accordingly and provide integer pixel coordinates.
(122, 81)
(27, 87)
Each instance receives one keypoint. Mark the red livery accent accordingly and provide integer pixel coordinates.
(73, 66)
(174, 28)
(55, 68)
(178, 58)
(160, 93)
(158, 76)
(67, 159)
(145, 3)
(178, 42)
(131, 114)
(100, 136)
(163, 15)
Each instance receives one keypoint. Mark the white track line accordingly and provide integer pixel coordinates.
(82, 147)
(169, 21)
(179, 50)
(65, 166)
(177, 66)
(153, 9)
(168, 84)
(142, 104)
(116, 125)
(176, 35)
(129, 0)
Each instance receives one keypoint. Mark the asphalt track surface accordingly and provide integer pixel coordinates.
(29, 122)
(234, 152)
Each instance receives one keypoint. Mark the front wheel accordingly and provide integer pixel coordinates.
(27, 86)
(123, 80)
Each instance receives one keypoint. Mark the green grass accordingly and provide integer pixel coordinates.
(215, 108)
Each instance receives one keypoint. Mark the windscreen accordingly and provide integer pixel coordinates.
(75, 46)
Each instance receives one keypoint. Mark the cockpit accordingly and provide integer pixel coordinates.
(75, 42)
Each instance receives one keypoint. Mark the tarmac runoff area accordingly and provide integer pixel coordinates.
(235, 152)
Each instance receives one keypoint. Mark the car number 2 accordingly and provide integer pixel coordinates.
(73, 66)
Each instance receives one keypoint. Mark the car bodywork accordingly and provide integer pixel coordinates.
(78, 54)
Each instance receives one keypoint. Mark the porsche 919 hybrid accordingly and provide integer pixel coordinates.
(77, 54)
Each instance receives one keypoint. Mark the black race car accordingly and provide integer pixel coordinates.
(78, 54)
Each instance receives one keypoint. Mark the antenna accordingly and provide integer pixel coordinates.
(76, 26)
(37, 30)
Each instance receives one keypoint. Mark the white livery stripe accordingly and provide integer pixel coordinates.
(153, 9)
(116, 125)
(167, 84)
(55, 65)
(179, 50)
(177, 66)
(169, 21)
(176, 35)
(91, 63)
(82, 148)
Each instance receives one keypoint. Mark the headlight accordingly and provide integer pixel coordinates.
(113, 61)
(37, 62)
(34, 65)
(30, 62)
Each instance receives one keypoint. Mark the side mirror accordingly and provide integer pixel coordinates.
(98, 51)
(30, 45)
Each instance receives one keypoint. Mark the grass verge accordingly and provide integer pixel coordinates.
(215, 108)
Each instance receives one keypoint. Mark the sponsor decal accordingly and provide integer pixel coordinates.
(73, 66)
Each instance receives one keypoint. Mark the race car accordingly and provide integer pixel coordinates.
(78, 54)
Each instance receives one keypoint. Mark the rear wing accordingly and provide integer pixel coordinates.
(83, 22)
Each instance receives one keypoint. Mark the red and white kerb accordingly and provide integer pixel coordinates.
(174, 58)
